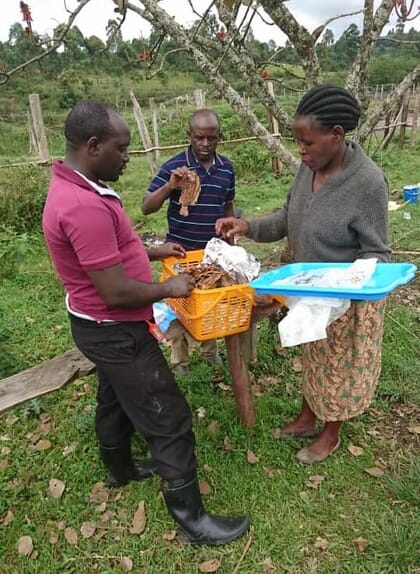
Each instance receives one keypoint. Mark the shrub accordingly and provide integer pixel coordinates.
(22, 197)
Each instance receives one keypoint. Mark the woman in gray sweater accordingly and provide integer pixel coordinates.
(335, 211)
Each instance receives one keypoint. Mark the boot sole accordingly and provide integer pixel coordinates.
(185, 538)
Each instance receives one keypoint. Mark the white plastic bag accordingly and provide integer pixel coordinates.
(309, 317)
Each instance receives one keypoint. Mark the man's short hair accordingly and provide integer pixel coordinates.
(204, 112)
(88, 119)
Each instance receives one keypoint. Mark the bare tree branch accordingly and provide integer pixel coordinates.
(56, 43)
(299, 36)
(373, 25)
(163, 60)
(154, 13)
(318, 31)
(385, 106)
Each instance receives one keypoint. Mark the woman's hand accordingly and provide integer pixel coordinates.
(166, 250)
(230, 226)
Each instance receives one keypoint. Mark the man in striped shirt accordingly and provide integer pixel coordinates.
(215, 201)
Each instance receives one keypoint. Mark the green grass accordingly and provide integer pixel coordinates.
(287, 515)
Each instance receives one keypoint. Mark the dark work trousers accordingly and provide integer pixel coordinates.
(137, 391)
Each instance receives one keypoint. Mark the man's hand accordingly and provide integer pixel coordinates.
(177, 175)
(180, 286)
(230, 226)
(166, 250)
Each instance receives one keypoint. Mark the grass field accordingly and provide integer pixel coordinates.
(338, 517)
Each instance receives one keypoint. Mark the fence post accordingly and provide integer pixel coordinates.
(33, 144)
(404, 117)
(144, 134)
(200, 98)
(274, 129)
(413, 137)
(155, 126)
(39, 129)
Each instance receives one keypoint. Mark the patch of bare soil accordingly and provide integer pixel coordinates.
(400, 427)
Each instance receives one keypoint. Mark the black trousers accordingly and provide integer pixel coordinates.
(137, 392)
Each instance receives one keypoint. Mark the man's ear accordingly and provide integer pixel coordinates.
(92, 146)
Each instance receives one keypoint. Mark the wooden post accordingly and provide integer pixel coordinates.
(39, 129)
(155, 126)
(240, 380)
(404, 117)
(413, 137)
(144, 134)
(274, 129)
(33, 144)
(200, 98)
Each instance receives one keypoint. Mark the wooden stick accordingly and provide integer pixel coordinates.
(39, 128)
(144, 133)
(241, 559)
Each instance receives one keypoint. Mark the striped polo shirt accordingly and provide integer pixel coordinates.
(217, 188)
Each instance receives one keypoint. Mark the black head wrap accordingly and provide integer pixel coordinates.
(330, 106)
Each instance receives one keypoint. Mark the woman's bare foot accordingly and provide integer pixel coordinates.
(327, 442)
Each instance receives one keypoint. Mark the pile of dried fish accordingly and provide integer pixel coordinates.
(209, 276)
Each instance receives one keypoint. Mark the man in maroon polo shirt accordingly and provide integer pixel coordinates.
(106, 273)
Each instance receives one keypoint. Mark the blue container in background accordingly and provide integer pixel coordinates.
(411, 193)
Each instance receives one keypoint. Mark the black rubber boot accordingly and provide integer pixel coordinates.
(122, 468)
(183, 500)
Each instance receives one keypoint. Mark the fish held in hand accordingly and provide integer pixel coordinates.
(190, 190)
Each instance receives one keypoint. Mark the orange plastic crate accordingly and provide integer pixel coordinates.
(209, 313)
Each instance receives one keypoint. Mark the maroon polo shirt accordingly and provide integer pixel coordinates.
(88, 230)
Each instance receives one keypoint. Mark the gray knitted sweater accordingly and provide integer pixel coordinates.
(345, 219)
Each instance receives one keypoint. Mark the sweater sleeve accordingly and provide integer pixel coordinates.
(371, 224)
(272, 227)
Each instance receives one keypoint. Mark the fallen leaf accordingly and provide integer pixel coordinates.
(105, 518)
(43, 444)
(361, 543)
(205, 487)
(69, 449)
(61, 525)
(321, 543)
(251, 457)
(314, 481)
(224, 387)
(4, 464)
(25, 545)
(34, 555)
(355, 450)
(297, 364)
(100, 534)
(375, 471)
(269, 472)
(56, 488)
(414, 429)
(276, 433)
(53, 538)
(5, 450)
(87, 529)
(171, 535)
(99, 493)
(101, 508)
(210, 565)
(70, 535)
(213, 427)
(139, 521)
(11, 420)
(126, 564)
(8, 518)
(268, 565)
(227, 444)
(207, 468)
